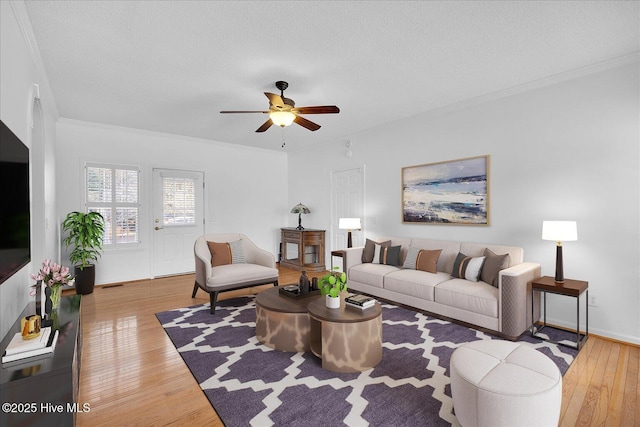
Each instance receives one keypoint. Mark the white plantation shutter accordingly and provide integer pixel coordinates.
(99, 185)
(113, 191)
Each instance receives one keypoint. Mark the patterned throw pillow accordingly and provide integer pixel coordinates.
(237, 253)
(390, 255)
(410, 260)
(466, 267)
(492, 265)
(369, 250)
(377, 249)
(422, 259)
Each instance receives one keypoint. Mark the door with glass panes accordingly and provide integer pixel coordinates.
(178, 220)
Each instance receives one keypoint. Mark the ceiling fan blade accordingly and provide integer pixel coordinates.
(275, 100)
(233, 112)
(320, 109)
(306, 123)
(266, 125)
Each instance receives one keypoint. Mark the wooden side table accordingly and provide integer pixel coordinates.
(341, 253)
(303, 249)
(570, 288)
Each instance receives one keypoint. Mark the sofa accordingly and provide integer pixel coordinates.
(230, 261)
(490, 287)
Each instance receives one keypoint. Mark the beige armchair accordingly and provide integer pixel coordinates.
(259, 267)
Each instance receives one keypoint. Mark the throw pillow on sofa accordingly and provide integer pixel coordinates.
(422, 259)
(466, 267)
(390, 255)
(492, 265)
(410, 260)
(370, 248)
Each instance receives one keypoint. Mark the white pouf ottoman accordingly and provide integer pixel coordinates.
(503, 383)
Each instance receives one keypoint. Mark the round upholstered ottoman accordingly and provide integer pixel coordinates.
(503, 383)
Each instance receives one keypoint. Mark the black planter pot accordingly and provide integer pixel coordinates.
(85, 279)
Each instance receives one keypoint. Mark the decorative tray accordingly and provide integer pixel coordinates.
(292, 291)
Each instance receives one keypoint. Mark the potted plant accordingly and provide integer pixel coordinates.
(331, 284)
(85, 236)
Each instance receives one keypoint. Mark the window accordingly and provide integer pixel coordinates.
(113, 191)
(178, 201)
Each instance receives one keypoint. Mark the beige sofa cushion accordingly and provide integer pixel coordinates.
(477, 297)
(416, 283)
(371, 274)
(232, 274)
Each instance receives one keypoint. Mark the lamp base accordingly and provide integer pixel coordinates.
(349, 240)
(559, 268)
(299, 227)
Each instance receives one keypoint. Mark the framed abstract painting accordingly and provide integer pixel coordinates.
(451, 192)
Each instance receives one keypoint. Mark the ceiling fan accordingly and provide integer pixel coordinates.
(283, 111)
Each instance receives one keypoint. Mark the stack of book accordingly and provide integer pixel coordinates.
(19, 348)
(359, 301)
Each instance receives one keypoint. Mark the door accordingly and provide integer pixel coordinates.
(347, 189)
(178, 220)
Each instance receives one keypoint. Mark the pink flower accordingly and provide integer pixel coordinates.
(53, 274)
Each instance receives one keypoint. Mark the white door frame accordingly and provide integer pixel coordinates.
(334, 207)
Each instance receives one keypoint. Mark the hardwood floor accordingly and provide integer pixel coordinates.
(131, 374)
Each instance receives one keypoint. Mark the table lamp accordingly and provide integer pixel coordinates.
(559, 231)
(300, 209)
(349, 224)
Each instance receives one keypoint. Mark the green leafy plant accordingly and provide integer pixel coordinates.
(85, 235)
(333, 283)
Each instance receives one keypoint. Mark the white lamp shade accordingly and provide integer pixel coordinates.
(349, 224)
(282, 118)
(559, 231)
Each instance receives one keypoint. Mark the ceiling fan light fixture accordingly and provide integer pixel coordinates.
(282, 118)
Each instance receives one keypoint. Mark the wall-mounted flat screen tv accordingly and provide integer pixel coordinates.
(15, 213)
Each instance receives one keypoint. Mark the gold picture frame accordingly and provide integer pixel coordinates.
(454, 192)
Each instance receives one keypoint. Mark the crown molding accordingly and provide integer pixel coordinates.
(538, 84)
(24, 23)
(162, 135)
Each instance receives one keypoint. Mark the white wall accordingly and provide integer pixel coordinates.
(245, 188)
(566, 151)
(20, 69)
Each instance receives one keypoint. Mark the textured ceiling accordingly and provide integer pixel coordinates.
(171, 66)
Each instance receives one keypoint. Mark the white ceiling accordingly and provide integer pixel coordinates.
(171, 66)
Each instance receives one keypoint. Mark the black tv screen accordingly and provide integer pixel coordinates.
(15, 247)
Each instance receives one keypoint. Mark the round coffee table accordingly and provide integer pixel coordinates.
(346, 339)
(282, 323)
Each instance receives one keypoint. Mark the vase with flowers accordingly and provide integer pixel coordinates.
(54, 277)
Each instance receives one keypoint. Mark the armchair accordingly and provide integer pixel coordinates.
(259, 267)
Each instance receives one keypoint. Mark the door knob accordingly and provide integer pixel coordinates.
(158, 228)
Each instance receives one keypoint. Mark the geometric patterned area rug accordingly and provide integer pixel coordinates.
(249, 383)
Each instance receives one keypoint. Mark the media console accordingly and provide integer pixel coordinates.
(43, 390)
